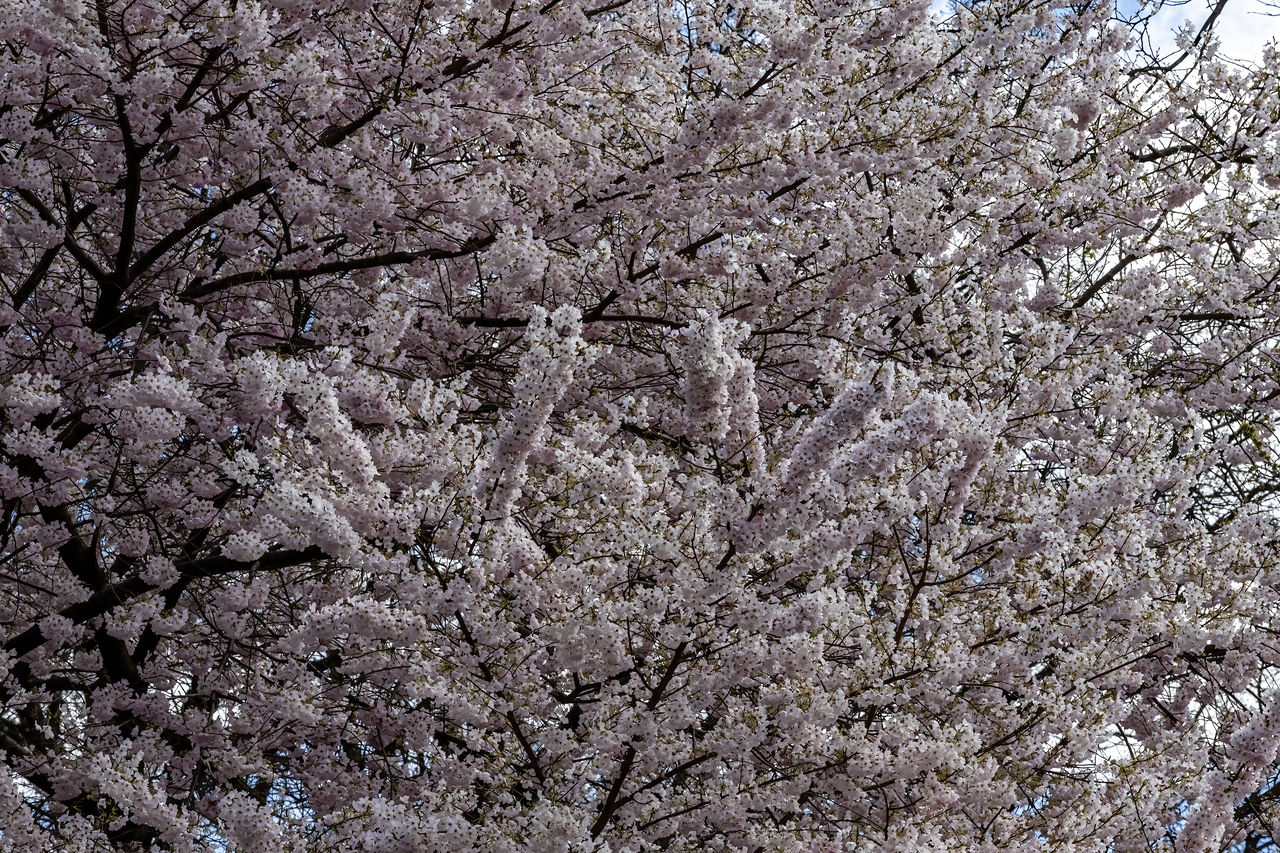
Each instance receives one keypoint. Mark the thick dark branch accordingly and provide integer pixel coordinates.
(612, 800)
(1102, 282)
(189, 93)
(506, 32)
(32, 281)
(194, 222)
(691, 250)
(76, 554)
(41, 269)
(388, 259)
(108, 598)
(687, 251)
(598, 311)
(516, 323)
(77, 251)
(769, 74)
(607, 7)
(673, 773)
(112, 288)
(781, 191)
(331, 136)
(526, 746)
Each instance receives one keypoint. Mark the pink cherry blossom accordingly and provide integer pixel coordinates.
(595, 426)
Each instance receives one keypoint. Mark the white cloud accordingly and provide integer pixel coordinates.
(1243, 28)
(1246, 26)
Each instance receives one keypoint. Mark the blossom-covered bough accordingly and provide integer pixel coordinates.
(595, 425)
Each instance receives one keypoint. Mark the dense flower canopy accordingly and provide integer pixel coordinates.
(594, 425)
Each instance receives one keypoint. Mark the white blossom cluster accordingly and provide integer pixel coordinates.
(619, 428)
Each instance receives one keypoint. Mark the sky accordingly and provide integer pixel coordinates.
(1243, 29)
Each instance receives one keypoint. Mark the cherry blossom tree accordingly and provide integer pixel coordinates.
(590, 425)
